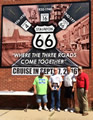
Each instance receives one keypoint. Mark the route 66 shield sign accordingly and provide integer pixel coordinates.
(63, 23)
(44, 37)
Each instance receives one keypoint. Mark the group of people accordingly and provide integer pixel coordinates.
(70, 82)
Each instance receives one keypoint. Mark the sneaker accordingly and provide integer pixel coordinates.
(51, 109)
(45, 108)
(40, 108)
(58, 109)
(67, 109)
(72, 110)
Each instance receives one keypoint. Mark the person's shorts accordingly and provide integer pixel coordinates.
(69, 93)
(41, 98)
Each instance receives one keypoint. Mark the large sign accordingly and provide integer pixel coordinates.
(45, 36)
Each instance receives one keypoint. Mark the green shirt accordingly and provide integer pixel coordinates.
(41, 85)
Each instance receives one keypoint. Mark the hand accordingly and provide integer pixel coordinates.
(73, 89)
(57, 89)
(35, 92)
(86, 91)
(52, 88)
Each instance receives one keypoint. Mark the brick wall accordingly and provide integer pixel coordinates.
(24, 83)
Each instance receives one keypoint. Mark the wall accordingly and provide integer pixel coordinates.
(24, 83)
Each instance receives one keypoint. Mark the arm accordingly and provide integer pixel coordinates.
(50, 85)
(34, 84)
(59, 86)
(86, 83)
(73, 89)
(74, 83)
(35, 92)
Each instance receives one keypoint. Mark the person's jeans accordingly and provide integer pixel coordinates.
(56, 94)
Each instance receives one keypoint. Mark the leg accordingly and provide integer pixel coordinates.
(72, 100)
(67, 99)
(79, 95)
(38, 97)
(85, 103)
(52, 99)
(69, 102)
(44, 97)
(58, 93)
(39, 104)
(45, 104)
(68, 95)
(72, 105)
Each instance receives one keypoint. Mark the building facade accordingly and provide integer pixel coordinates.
(76, 36)
(16, 41)
(25, 83)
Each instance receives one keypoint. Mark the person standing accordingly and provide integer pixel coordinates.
(55, 83)
(82, 91)
(69, 84)
(40, 89)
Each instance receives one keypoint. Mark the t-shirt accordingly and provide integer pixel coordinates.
(41, 85)
(69, 79)
(55, 79)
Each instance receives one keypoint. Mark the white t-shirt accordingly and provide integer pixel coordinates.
(55, 79)
(69, 79)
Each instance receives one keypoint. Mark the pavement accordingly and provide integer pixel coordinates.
(34, 114)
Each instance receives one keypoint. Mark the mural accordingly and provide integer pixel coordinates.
(46, 36)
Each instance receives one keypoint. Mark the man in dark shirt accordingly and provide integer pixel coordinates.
(82, 91)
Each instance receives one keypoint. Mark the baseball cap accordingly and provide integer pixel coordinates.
(80, 67)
